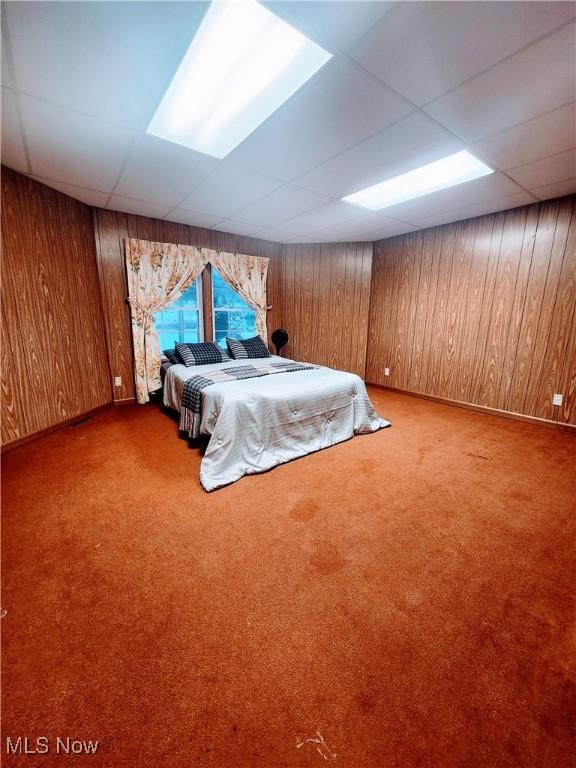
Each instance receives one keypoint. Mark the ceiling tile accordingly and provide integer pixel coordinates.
(526, 85)
(361, 229)
(472, 192)
(548, 170)
(334, 25)
(306, 239)
(237, 227)
(13, 152)
(559, 189)
(331, 214)
(276, 234)
(138, 207)
(338, 107)
(545, 135)
(6, 68)
(424, 49)
(73, 148)
(228, 190)
(192, 218)
(282, 204)
(410, 143)
(335, 237)
(162, 172)
(88, 196)
(110, 60)
(477, 209)
(391, 230)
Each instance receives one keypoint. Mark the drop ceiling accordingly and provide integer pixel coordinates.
(409, 83)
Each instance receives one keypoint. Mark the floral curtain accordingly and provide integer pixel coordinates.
(159, 273)
(247, 275)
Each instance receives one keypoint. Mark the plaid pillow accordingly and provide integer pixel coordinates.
(170, 354)
(241, 349)
(201, 354)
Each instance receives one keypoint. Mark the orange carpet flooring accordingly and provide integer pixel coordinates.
(403, 599)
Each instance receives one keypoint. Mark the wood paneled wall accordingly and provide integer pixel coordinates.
(54, 361)
(111, 229)
(481, 311)
(325, 298)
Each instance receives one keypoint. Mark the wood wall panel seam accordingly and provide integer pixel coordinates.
(553, 277)
(14, 416)
(97, 245)
(567, 412)
(520, 300)
(475, 393)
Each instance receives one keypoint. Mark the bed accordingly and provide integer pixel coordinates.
(257, 423)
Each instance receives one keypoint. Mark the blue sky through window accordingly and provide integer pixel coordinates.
(180, 321)
(233, 317)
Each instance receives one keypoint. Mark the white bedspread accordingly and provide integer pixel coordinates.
(258, 423)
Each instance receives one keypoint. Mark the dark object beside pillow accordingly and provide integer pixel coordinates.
(279, 339)
(171, 355)
(201, 354)
(242, 349)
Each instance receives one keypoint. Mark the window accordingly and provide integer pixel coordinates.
(181, 320)
(233, 317)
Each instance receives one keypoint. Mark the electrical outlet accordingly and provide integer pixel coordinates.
(386, 371)
(118, 381)
(557, 400)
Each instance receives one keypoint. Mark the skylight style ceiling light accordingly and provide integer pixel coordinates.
(243, 63)
(441, 174)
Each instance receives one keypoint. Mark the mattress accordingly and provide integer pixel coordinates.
(256, 424)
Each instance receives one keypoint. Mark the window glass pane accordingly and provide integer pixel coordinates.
(190, 336)
(238, 320)
(188, 300)
(189, 321)
(223, 295)
(166, 319)
(171, 331)
(167, 340)
(221, 338)
(243, 322)
(181, 321)
(221, 321)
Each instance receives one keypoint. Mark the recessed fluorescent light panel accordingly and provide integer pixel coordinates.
(441, 174)
(243, 63)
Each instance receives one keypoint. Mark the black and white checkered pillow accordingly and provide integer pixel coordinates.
(201, 354)
(171, 356)
(242, 349)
